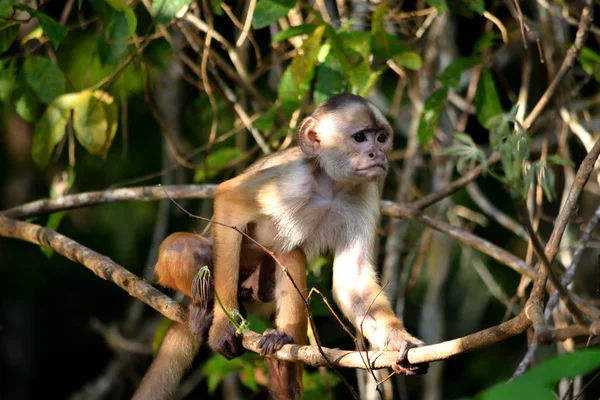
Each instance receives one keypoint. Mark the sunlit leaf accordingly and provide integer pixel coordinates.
(269, 11)
(409, 59)
(44, 77)
(35, 34)
(452, 73)
(26, 103)
(55, 31)
(8, 34)
(297, 30)
(49, 131)
(431, 115)
(298, 76)
(217, 160)
(93, 127)
(164, 11)
(487, 101)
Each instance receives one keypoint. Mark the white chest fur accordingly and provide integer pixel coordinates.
(311, 212)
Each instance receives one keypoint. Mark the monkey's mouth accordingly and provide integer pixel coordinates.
(373, 167)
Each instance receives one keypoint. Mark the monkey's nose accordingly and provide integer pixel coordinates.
(371, 155)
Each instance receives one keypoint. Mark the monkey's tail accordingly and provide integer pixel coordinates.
(174, 357)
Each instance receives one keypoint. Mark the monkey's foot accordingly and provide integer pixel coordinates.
(272, 341)
(224, 339)
(200, 321)
(403, 367)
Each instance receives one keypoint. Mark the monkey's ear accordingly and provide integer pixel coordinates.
(308, 137)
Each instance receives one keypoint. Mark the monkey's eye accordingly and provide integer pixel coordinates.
(359, 137)
(382, 138)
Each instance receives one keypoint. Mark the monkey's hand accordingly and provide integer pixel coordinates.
(273, 340)
(399, 339)
(223, 337)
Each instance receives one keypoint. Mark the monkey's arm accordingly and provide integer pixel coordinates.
(363, 301)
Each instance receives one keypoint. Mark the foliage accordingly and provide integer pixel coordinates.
(118, 89)
(539, 382)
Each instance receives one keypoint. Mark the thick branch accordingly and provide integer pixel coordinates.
(107, 269)
(144, 193)
(147, 193)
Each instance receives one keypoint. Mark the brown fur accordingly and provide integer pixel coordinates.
(321, 196)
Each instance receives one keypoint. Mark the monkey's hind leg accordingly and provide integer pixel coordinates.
(291, 321)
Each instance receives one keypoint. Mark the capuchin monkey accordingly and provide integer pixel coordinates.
(320, 196)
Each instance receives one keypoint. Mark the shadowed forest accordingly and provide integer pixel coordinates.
(119, 118)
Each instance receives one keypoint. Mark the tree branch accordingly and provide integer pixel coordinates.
(107, 269)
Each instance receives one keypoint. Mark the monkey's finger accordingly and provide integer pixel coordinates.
(272, 341)
(403, 367)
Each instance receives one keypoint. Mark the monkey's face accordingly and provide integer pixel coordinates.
(352, 143)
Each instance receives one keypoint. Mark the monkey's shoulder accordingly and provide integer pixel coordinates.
(282, 159)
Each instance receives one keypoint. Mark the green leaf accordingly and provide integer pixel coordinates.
(466, 8)
(158, 53)
(554, 159)
(44, 77)
(6, 8)
(485, 41)
(53, 223)
(8, 74)
(297, 30)
(26, 103)
(112, 45)
(55, 31)
(297, 77)
(269, 11)
(122, 6)
(440, 5)
(8, 34)
(409, 59)
(216, 161)
(160, 333)
(94, 121)
(49, 131)
(487, 101)
(378, 34)
(590, 61)
(217, 368)
(431, 115)
(451, 75)
(216, 7)
(330, 79)
(164, 11)
(538, 384)
(266, 121)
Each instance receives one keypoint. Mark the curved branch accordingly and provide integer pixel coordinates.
(147, 193)
(107, 269)
(143, 193)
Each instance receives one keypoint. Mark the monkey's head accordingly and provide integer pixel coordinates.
(350, 137)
